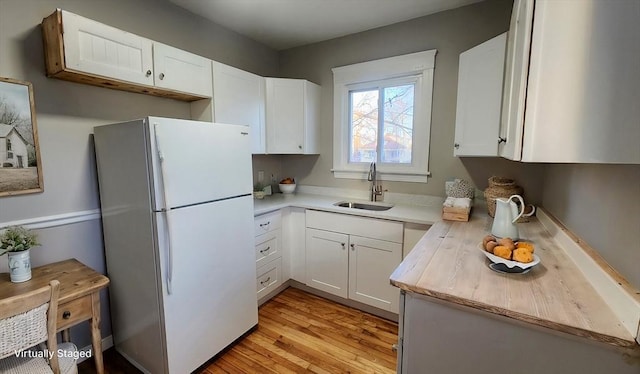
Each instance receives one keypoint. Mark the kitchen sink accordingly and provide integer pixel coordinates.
(363, 205)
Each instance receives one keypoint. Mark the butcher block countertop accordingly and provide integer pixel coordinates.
(448, 265)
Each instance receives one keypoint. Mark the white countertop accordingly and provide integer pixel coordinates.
(404, 211)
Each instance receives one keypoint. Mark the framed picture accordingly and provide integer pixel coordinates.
(20, 166)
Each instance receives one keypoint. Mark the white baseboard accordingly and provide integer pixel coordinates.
(106, 344)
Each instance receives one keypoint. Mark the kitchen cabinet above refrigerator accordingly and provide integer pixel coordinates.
(239, 98)
(572, 82)
(82, 50)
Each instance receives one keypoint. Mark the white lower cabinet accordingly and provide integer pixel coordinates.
(328, 261)
(371, 262)
(269, 277)
(267, 247)
(268, 253)
(353, 266)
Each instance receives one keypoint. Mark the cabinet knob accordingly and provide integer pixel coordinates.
(342, 245)
(456, 145)
(161, 76)
(353, 246)
(299, 147)
(502, 140)
(66, 314)
(148, 74)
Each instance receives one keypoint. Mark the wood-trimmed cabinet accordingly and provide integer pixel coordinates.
(82, 50)
(353, 257)
(293, 116)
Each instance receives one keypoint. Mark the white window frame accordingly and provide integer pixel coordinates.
(345, 78)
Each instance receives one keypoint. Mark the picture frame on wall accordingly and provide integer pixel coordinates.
(20, 165)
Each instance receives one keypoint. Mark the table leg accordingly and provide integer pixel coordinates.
(96, 338)
(66, 335)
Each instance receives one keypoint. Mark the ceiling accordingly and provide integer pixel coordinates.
(283, 24)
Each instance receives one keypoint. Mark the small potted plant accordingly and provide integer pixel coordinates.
(16, 241)
(258, 191)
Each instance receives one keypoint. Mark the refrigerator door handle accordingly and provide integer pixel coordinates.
(166, 210)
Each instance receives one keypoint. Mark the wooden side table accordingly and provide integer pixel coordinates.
(79, 299)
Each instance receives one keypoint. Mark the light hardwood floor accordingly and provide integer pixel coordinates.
(301, 333)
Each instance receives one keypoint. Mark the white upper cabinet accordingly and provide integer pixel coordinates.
(239, 98)
(515, 79)
(81, 50)
(292, 116)
(179, 70)
(572, 82)
(479, 98)
(94, 48)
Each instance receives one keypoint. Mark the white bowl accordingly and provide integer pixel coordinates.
(287, 188)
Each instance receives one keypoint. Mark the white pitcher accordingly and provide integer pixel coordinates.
(504, 223)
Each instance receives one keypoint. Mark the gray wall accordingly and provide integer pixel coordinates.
(600, 204)
(451, 33)
(67, 112)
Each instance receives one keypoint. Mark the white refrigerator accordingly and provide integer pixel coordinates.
(177, 215)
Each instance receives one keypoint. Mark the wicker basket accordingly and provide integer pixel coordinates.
(500, 187)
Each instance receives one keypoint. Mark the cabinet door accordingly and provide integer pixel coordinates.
(285, 115)
(515, 80)
(312, 118)
(239, 99)
(268, 247)
(180, 70)
(371, 263)
(93, 48)
(327, 261)
(479, 98)
(583, 90)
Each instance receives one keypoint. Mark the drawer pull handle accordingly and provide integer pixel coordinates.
(263, 251)
(265, 224)
(265, 281)
(66, 314)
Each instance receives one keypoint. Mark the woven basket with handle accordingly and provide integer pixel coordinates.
(500, 187)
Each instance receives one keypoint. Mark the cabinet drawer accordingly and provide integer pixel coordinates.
(74, 311)
(267, 222)
(267, 247)
(269, 277)
(374, 228)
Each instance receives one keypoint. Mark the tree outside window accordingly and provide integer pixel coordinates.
(381, 127)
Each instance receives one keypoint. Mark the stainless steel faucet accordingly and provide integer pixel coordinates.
(376, 189)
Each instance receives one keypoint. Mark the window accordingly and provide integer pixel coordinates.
(382, 114)
(8, 144)
(381, 123)
(9, 154)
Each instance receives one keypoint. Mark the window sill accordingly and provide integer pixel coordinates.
(382, 175)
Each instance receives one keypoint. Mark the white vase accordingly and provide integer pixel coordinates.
(19, 266)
